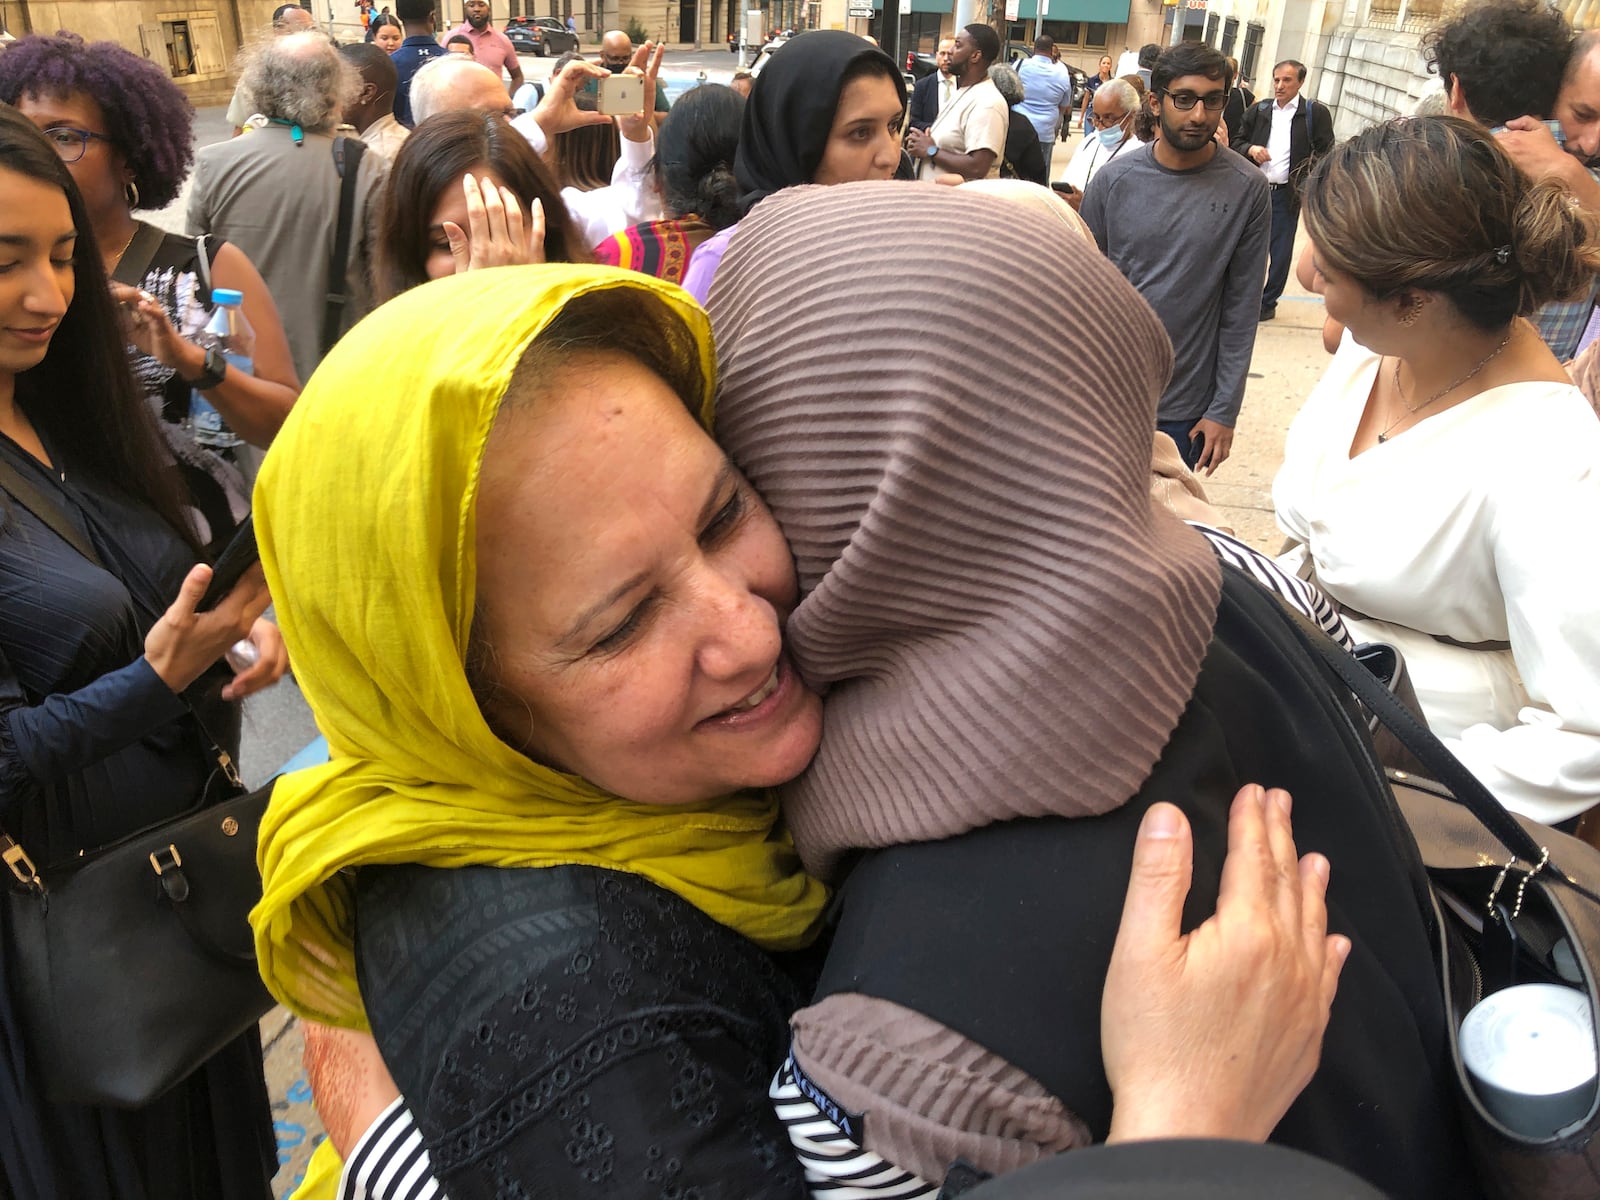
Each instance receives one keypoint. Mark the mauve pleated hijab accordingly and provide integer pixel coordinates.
(1002, 623)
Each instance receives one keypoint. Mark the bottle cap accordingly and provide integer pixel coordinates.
(226, 296)
(1531, 1052)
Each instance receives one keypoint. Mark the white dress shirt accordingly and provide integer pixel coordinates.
(1277, 164)
(631, 198)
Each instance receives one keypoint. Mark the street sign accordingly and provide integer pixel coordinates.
(863, 11)
(1013, 8)
(905, 8)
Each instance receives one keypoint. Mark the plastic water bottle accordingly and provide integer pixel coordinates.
(230, 333)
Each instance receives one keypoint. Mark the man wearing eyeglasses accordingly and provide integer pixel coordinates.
(1284, 136)
(1187, 221)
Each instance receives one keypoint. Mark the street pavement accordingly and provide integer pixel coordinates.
(1288, 361)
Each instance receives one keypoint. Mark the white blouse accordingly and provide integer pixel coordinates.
(1478, 524)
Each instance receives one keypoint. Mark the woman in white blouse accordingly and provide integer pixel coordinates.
(1443, 479)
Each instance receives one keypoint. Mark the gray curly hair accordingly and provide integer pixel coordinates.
(299, 78)
(1008, 82)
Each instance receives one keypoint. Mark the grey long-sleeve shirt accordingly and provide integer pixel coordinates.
(1195, 245)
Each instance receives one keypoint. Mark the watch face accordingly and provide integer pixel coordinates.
(932, 150)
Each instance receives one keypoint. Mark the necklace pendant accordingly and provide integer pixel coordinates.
(1382, 438)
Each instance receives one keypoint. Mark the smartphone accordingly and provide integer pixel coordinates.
(621, 95)
(237, 557)
(1062, 186)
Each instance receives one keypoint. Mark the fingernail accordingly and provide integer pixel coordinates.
(1283, 800)
(1254, 793)
(1160, 822)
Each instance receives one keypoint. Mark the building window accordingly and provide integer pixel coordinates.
(1096, 34)
(1253, 33)
(1230, 34)
(188, 45)
(1092, 35)
(1212, 24)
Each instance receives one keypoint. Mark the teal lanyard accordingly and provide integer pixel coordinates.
(298, 134)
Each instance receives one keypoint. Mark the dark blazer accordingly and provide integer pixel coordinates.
(1310, 137)
(1240, 99)
(925, 101)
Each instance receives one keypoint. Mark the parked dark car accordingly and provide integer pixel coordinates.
(539, 36)
(919, 65)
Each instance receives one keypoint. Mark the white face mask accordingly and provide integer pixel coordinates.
(1111, 138)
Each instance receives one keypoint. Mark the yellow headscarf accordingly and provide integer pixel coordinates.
(365, 511)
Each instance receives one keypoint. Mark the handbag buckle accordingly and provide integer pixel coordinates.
(21, 865)
(168, 864)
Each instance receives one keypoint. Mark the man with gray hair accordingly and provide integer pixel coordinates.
(456, 83)
(1110, 134)
(286, 19)
(277, 192)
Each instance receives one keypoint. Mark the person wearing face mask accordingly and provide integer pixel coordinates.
(1115, 103)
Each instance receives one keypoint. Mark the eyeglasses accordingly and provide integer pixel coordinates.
(1184, 101)
(1105, 121)
(70, 143)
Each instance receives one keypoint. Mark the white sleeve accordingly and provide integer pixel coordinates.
(631, 197)
(533, 131)
(1547, 765)
(390, 1162)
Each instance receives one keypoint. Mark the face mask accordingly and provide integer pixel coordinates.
(1110, 138)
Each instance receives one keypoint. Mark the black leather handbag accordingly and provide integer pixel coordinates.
(135, 963)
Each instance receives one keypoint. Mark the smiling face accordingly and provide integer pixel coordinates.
(102, 172)
(388, 39)
(36, 276)
(631, 592)
(1105, 66)
(864, 141)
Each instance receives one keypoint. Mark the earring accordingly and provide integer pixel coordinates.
(1412, 313)
(130, 192)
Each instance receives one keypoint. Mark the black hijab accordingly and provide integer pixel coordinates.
(791, 107)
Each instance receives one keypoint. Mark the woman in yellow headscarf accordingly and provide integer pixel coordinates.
(616, 1013)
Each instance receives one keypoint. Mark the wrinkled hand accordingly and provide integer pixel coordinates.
(350, 1086)
(559, 111)
(1217, 446)
(646, 63)
(918, 141)
(1533, 148)
(1215, 1032)
(494, 235)
(183, 643)
(272, 660)
(145, 324)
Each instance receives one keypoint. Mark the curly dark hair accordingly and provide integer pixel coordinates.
(1509, 56)
(147, 116)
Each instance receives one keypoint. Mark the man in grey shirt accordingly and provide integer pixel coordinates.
(274, 192)
(1188, 222)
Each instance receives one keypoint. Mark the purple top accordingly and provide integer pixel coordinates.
(703, 266)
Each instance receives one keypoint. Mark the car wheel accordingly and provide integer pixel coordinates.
(538, 50)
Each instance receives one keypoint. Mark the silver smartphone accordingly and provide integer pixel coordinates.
(621, 95)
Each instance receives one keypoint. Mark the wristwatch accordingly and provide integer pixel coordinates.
(933, 148)
(216, 368)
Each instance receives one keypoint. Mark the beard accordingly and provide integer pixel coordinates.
(1183, 136)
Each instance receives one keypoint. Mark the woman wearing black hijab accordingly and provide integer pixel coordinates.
(828, 108)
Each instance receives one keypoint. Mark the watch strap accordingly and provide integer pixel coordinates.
(215, 370)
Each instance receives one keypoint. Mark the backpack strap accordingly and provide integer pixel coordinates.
(347, 154)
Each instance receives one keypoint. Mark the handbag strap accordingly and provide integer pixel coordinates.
(25, 493)
(1467, 789)
(347, 154)
(141, 251)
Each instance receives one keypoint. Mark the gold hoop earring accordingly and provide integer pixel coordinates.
(130, 192)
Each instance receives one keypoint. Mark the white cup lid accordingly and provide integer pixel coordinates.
(1535, 1039)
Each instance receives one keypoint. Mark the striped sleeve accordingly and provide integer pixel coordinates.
(836, 1167)
(1300, 595)
(390, 1162)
